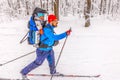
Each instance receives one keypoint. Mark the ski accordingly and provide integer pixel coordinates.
(66, 75)
(11, 79)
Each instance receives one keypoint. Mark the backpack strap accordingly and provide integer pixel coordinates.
(41, 43)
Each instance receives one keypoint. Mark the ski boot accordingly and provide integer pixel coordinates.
(57, 74)
(24, 77)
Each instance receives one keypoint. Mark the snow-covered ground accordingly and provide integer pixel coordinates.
(88, 51)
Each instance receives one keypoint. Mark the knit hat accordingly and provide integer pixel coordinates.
(51, 18)
(40, 14)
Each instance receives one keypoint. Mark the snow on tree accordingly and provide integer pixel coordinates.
(24, 8)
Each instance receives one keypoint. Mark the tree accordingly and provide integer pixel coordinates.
(104, 7)
(47, 5)
(109, 6)
(87, 9)
(27, 7)
(101, 7)
(41, 3)
(56, 8)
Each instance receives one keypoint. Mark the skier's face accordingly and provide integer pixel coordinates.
(41, 18)
(54, 23)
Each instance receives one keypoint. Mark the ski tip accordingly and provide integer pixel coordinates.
(98, 75)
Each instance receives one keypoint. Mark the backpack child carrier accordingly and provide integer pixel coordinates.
(33, 35)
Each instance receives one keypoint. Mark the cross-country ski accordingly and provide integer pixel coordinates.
(66, 75)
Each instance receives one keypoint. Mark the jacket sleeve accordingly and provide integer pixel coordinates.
(53, 36)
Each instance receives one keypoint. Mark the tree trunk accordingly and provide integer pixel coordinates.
(47, 5)
(109, 6)
(33, 7)
(52, 4)
(112, 10)
(101, 7)
(27, 8)
(10, 5)
(104, 9)
(41, 3)
(56, 8)
(92, 7)
(87, 9)
(18, 4)
(117, 10)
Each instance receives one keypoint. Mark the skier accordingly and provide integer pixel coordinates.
(45, 49)
(35, 25)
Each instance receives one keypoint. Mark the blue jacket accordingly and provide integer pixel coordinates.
(49, 37)
(32, 25)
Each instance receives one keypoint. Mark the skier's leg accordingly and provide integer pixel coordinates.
(41, 55)
(51, 61)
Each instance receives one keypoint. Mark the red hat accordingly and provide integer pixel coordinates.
(51, 18)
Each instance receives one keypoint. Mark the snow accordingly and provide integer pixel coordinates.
(88, 51)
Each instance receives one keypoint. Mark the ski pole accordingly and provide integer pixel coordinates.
(23, 39)
(16, 58)
(59, 56)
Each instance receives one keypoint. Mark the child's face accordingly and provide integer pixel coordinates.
(41, 18)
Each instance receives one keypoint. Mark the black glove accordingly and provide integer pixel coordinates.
(56, 43)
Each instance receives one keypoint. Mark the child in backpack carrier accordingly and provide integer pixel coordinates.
(36, 24)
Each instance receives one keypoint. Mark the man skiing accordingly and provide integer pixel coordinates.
(36, 24)
(45, 49)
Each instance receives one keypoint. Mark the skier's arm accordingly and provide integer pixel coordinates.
(53, 36)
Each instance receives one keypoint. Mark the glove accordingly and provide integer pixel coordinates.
(68, 32)
(41, 31)
(56, 43)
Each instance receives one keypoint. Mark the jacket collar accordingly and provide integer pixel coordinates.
(49, 25)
